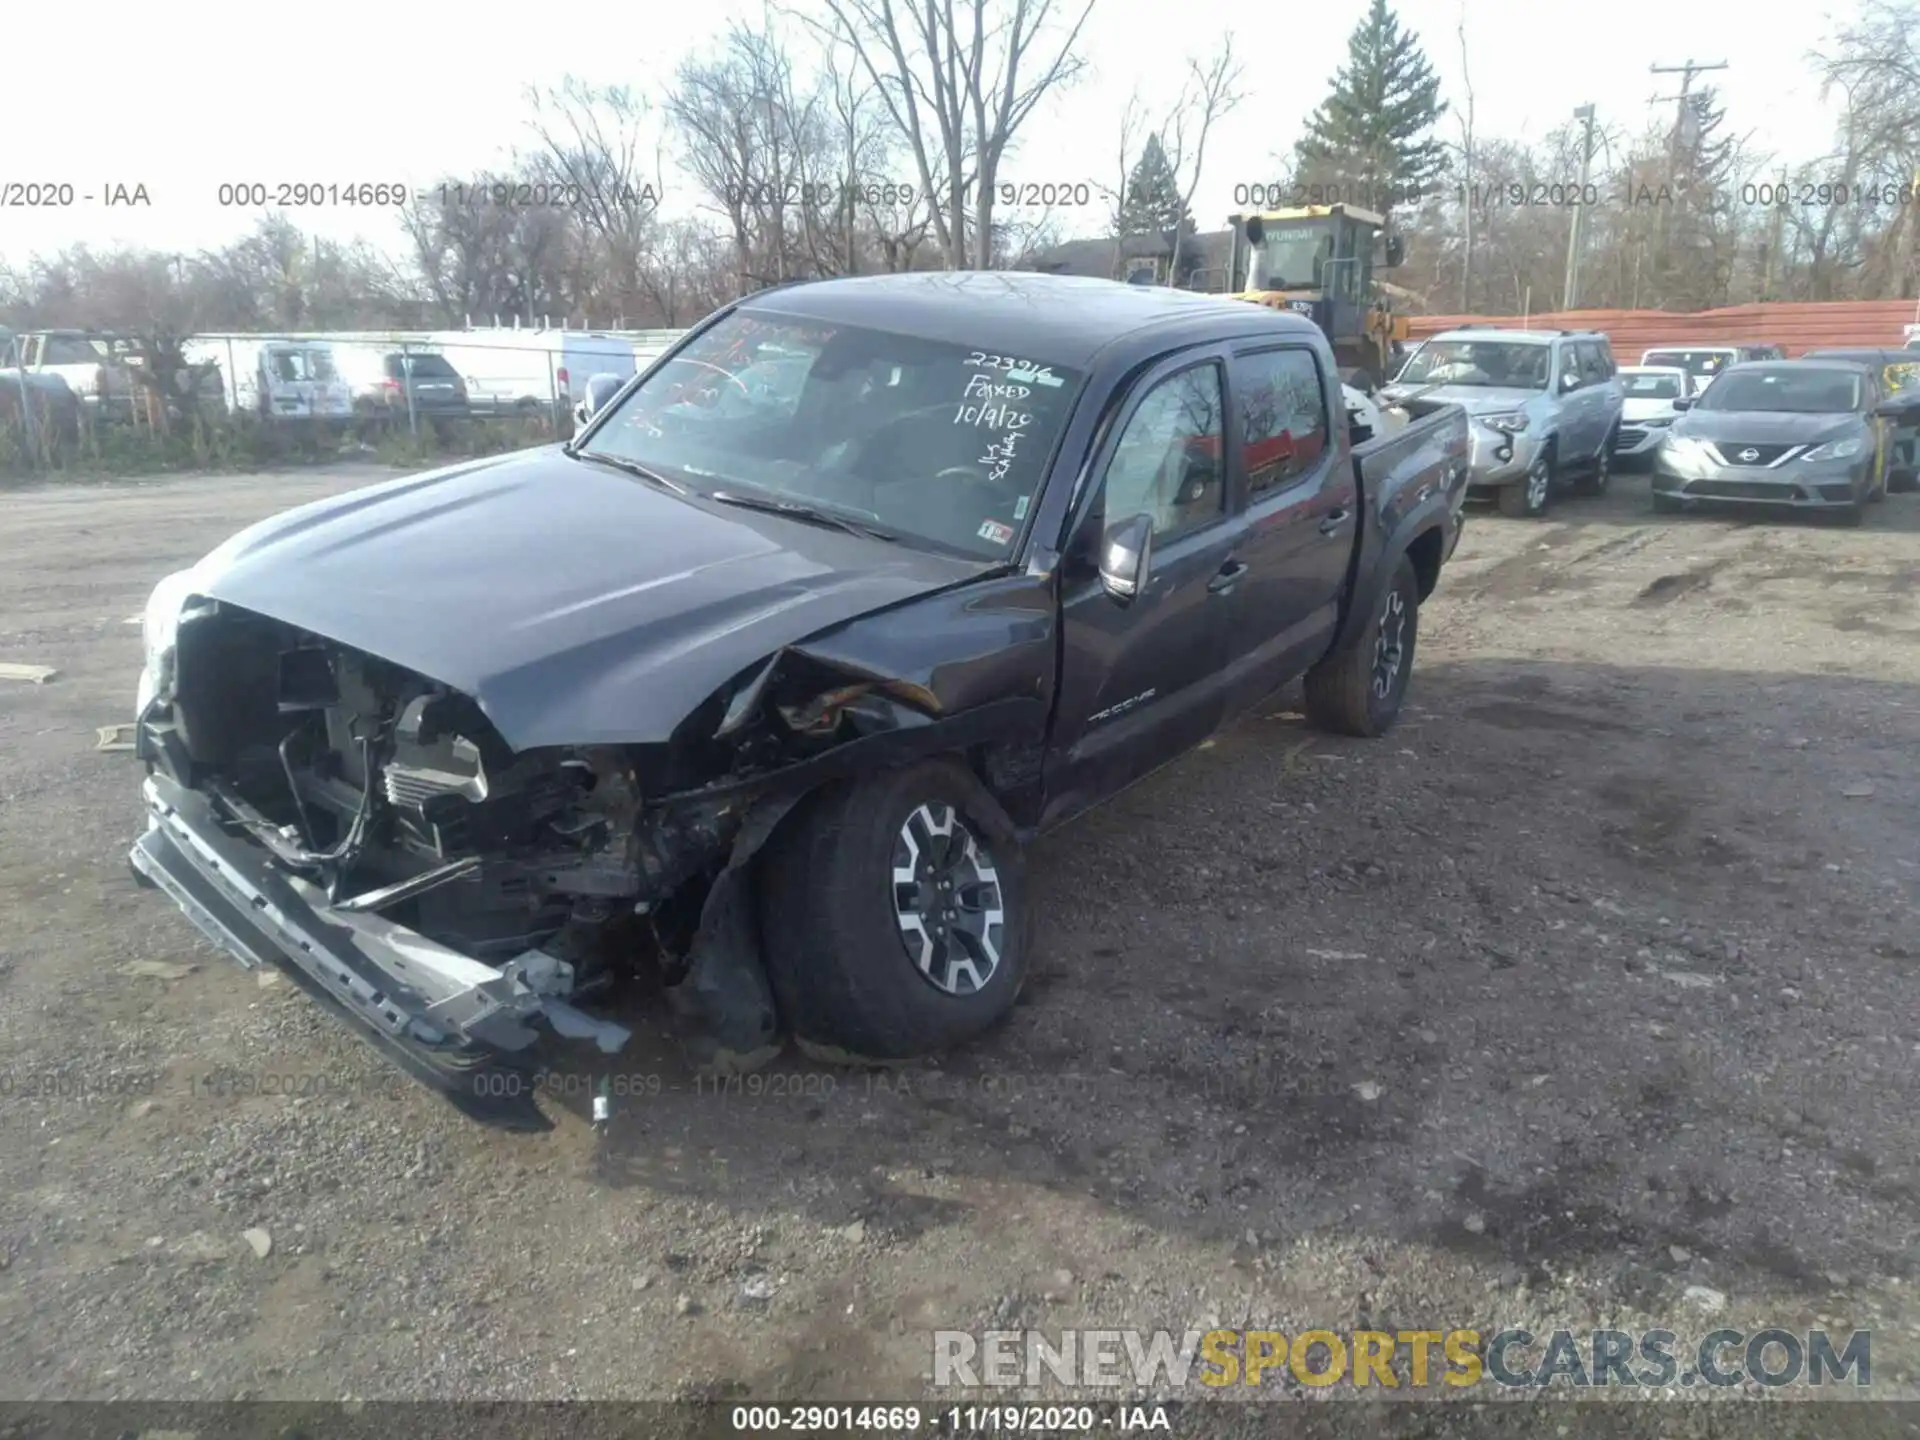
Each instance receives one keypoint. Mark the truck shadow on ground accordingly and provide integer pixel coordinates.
(1560, 974)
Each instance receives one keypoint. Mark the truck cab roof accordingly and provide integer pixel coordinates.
(1063, 320)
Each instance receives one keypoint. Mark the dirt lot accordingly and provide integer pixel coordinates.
(1598, 980)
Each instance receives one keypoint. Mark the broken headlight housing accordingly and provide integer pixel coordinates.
(159, 630)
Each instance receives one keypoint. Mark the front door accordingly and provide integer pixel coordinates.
(1142, 682)
(1300, 507)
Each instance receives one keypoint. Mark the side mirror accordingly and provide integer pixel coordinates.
(1901, 410)
(600, 390)
(1126, 554)
(1569, 382)
(1684, 402)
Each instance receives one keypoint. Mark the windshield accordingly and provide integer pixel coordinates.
(292, 365)
(1291, 258)
(1785, 389)
(1502, 364)
(1650, 385)
(1701, 364)
(939, 444)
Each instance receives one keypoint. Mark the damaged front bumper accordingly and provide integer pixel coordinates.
(445, 1011)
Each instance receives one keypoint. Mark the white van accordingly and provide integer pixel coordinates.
(527, 371)
(276, 379)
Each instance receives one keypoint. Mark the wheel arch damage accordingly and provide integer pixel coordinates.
(967, 674)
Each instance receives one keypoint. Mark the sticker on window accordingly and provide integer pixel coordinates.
(1020, 509)
(1035, 375)
(994, 531)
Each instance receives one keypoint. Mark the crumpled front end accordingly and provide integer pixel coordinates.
(311, 804)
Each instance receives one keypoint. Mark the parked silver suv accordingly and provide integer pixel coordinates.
(1546, 407)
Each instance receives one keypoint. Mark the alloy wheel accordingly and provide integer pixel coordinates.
(947, 900)
(1538, 479)
(1389, 645)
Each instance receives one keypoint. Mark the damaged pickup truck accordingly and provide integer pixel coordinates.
(758, 689)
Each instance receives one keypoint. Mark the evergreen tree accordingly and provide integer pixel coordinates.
(1152, 207)
(1373, 134)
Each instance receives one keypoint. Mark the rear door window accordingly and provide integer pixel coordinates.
(1283, 417)
(432, 367)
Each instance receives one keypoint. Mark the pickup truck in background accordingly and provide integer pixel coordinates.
(93, 367)
(761, 692)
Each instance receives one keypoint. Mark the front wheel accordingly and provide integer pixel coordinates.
(1527, 500)
(895, 914)
(1358, 690)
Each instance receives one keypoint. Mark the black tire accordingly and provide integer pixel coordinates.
(1529, 498)
(1665, 504)
(1594, 483)
(1358, 690)
(1899, 482)
(837, 949)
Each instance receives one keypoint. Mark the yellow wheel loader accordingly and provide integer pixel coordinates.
(1320, 260)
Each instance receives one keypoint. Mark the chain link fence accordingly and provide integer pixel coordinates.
(472, 390)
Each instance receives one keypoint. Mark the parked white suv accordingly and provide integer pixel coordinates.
(1546, 407)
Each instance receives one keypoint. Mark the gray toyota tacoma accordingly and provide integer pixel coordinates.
(758, 689)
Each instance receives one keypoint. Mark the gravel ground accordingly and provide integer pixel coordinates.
(1589, 996)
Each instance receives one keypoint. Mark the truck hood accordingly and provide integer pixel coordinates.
(1474, 399)
(577, 604)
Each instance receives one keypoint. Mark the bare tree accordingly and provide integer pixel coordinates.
(1211, 92)
(959, 78)
(1132, 137)
(594, 144)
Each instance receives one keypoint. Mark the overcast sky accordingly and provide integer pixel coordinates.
(311, 93)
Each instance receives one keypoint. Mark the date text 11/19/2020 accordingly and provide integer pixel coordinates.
(837, 194)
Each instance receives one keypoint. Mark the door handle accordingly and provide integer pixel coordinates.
(1228, 577)
(1334, 521)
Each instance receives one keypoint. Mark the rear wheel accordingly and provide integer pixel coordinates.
(895, 911)
(1528, 498)
(1358, 690)
(1595, 482)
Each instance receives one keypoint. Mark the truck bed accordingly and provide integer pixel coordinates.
(1414, 458)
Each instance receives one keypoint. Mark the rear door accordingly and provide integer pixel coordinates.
(1575, 404)
(1296, 486)
(1142, 683)
(1599, 392)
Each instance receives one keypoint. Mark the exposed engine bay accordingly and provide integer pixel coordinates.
(392, 806)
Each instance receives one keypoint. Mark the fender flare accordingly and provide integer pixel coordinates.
(1377, 572)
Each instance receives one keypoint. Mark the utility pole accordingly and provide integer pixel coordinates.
(1571, 291)
(1776, 235)
(1686, 72)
